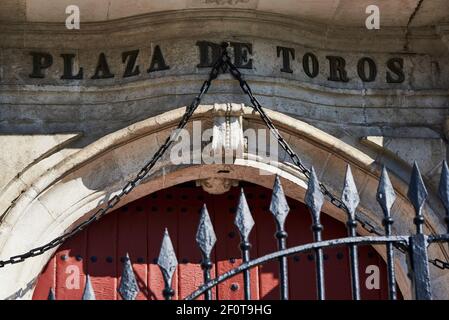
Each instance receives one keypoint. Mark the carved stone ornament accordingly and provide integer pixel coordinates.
(216, 185)
(227, 137)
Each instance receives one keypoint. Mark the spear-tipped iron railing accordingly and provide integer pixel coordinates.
(279, 208)
(417, 243)
(314, 200)
(350, 197)
(245, 223)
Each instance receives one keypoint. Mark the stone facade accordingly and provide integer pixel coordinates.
(69, 144)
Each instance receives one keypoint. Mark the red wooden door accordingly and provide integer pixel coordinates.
(138, 228)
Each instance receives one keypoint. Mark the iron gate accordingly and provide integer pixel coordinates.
(414, 245)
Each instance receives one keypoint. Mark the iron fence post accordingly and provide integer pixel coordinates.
(419, 261)
(420, 276)
(168, 263)
(206, 238)
(279, 208)
(314, 200)
(245, 223)
(351, 199)
(386, 197)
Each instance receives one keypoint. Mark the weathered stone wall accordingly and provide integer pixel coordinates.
(100, 106)
(415, 109)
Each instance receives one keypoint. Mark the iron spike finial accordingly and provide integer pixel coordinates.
(443, 189)
(243, 219)
(314, 197)
(51, 294)
(88, 293)
(205, 235)
(385, 193)
(128, 288)
(350, 196)
(417, 192)
(279, 206)
(167, 260)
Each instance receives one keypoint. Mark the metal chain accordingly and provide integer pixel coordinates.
(111, 203)
(22, 291)
(364, 223)
(286, 147)
(440, 264)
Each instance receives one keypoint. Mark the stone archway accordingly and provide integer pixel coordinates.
(66, 195)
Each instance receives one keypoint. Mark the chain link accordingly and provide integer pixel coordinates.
(22, 291)
(440, 264)
(111, 203)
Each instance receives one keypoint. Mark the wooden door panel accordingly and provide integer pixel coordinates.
(70, 269)
(227, 251)
(46, 280)
(301, 267)
(163, 216)
(138, 228)
(102, 257)
(132, 240)
(190, 202)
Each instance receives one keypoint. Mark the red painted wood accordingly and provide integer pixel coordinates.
(163, 215)
(301, 268)
(138, 229)
(265, 228)
(132, 239)
(336, 267)
(70, 273)
(102, 243)
(227, 248)
(46, 281)
(227, 251)
(190, 273)
(368, 257)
